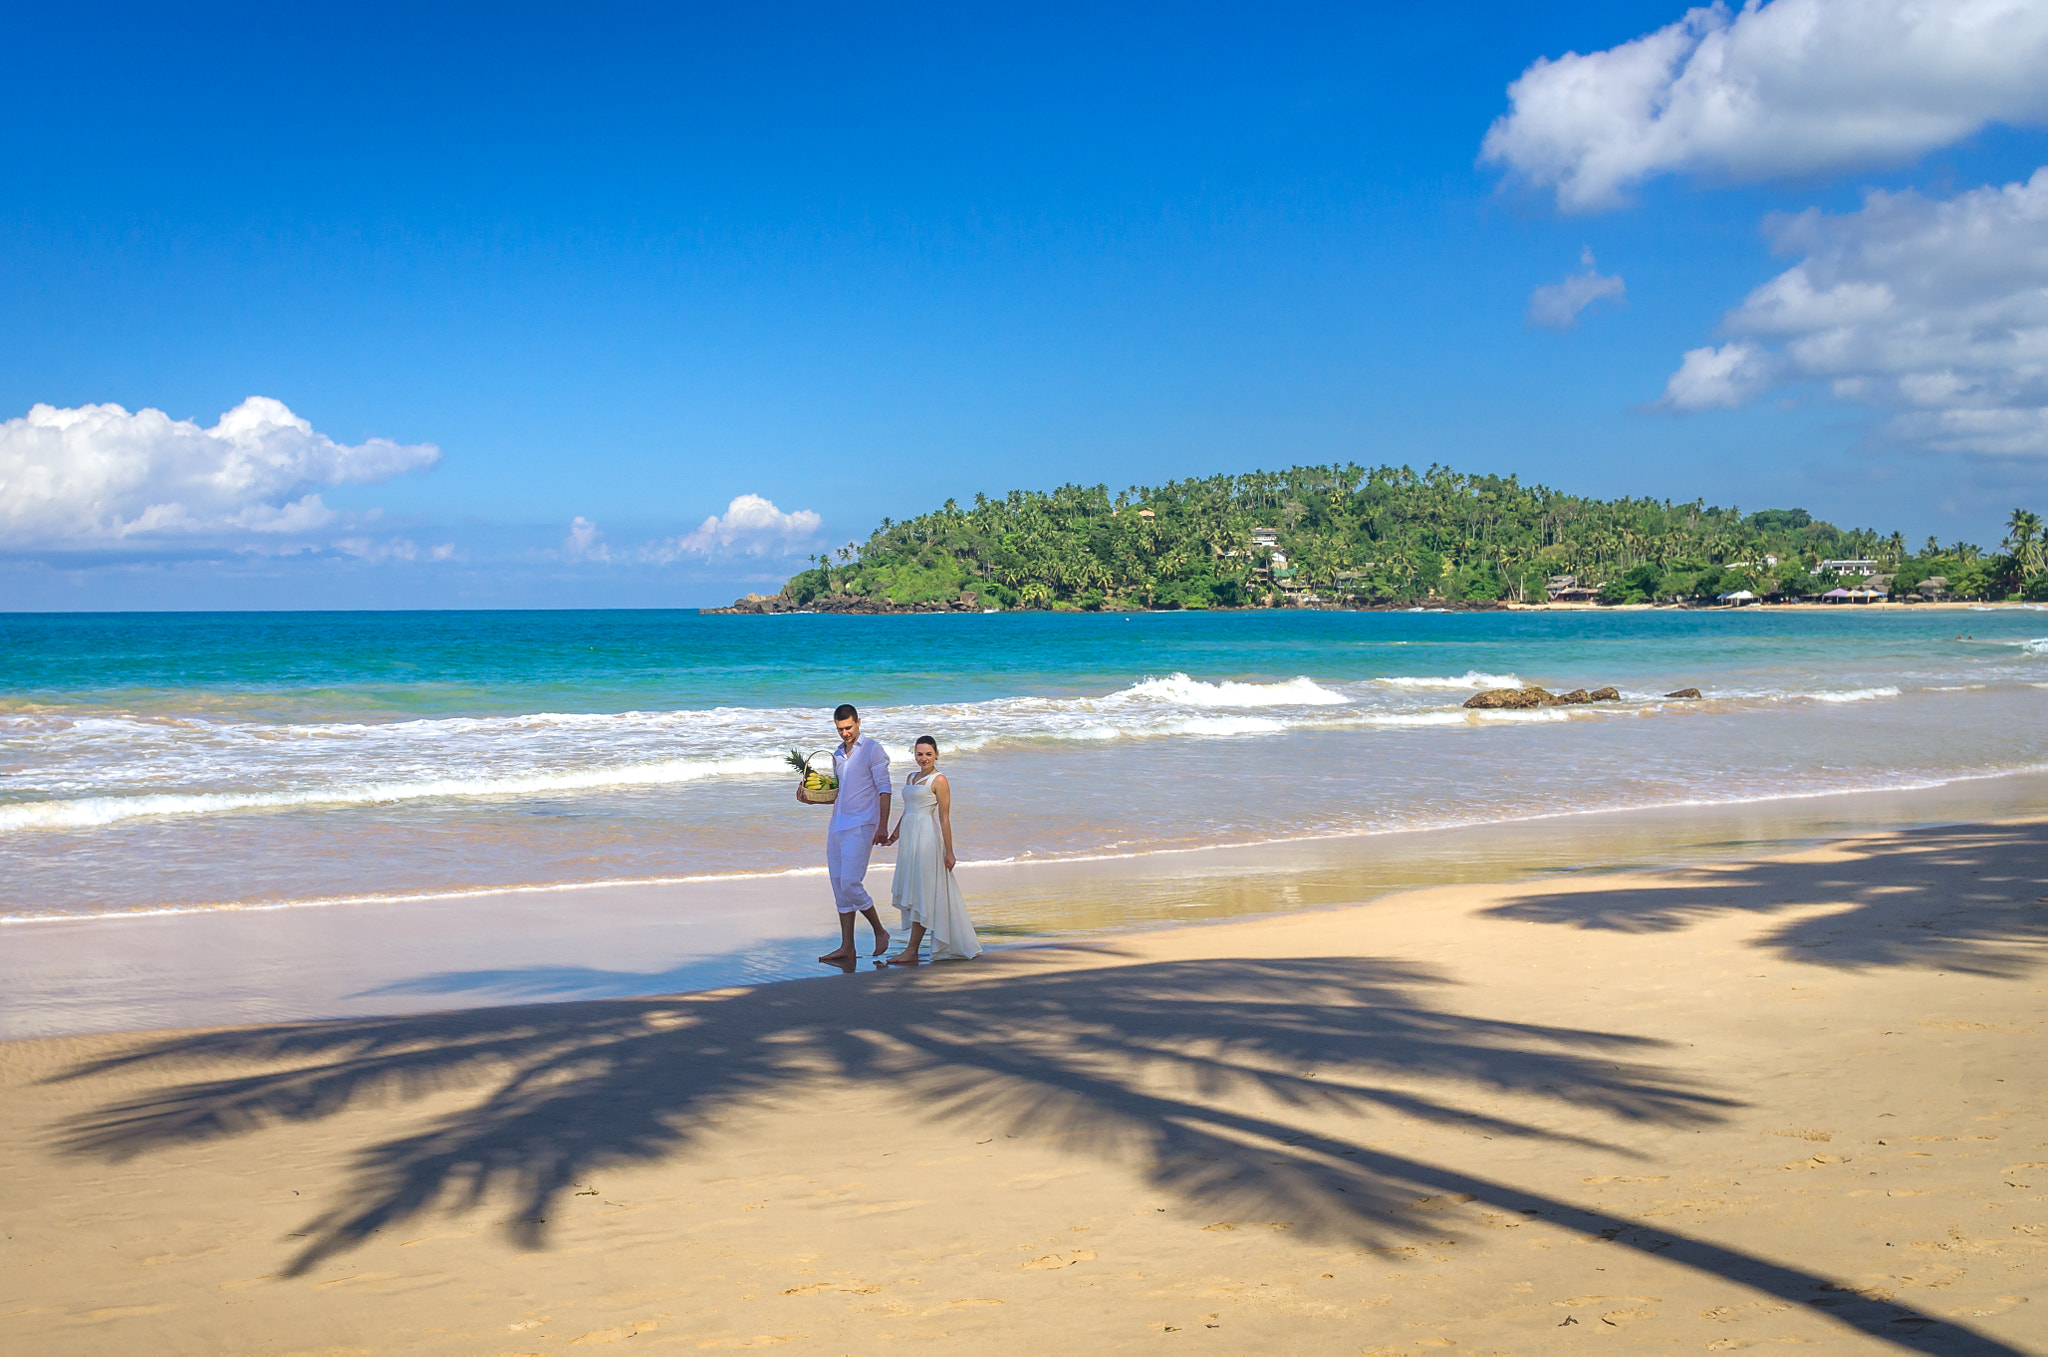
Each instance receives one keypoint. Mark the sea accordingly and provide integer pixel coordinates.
(177, 766)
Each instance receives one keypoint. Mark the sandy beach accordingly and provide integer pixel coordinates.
(1791, 1099)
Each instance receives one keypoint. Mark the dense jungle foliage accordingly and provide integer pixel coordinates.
(1389, 534)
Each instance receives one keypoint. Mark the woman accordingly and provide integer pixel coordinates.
(926, 896)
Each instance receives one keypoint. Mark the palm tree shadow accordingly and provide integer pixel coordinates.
(1963, 898)
(1210, 1075)
(1080, 1056)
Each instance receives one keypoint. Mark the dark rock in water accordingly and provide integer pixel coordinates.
(1512, 699)
(1574, 698)
(1604, 695)
(1684, 692)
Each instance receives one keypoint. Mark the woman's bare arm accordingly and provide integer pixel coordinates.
(944, 793)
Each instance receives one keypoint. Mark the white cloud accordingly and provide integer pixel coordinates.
(750, 526)
(1720, 379)
(1556, 306)
(394, 549)
(98, 475)
(1789, 87)
(585, 542)
(1934, 310)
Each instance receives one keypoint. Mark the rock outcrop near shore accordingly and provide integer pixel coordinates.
(1521, 699)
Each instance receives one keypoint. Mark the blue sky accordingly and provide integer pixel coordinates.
(626, 264)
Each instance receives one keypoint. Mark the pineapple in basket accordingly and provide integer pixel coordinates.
(819, 788)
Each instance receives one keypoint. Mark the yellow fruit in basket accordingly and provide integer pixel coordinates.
(813, 780)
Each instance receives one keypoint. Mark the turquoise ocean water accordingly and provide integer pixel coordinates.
(198, 762)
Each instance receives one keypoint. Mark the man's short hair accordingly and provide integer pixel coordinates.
(845, 712)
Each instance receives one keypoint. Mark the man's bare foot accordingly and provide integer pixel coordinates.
(842, 954)
(881, 943)
(906, 957)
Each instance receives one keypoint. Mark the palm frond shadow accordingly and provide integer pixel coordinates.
(1218, 1079)
(1958, 898)
(1118, 1056)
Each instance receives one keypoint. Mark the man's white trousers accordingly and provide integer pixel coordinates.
(846, 862)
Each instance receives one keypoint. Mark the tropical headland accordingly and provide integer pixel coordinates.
(1352, 537)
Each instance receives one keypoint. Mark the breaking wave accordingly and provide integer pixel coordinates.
(1472, 678)
(1855, 694)
(87, 812)
(1193, 692)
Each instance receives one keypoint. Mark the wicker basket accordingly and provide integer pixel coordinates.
(818, 796)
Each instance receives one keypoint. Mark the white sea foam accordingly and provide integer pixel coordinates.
(1226, 725)
(86, 812)
(1418, 718)
(1472, 678)
(1854, 694)
(1193, 692)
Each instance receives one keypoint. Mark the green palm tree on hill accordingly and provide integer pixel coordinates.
(2023, 536)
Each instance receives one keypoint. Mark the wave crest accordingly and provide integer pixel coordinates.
(1856, 694)
(90, 811)
(1471, 678)
(1194, 692)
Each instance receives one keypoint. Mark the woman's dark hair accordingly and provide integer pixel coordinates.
(845, 712)
(925, 739)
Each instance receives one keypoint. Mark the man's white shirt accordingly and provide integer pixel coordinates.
(863, 777)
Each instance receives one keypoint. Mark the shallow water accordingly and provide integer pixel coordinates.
(222, 761)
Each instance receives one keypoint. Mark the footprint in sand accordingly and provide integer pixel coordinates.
(614, 1335)
(1058, 1260)
(2003, 1304)
(970, 1304)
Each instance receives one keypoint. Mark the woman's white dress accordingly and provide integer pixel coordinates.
(923, 891)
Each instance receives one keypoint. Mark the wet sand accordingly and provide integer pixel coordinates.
(62, 977)
(1792, 1097)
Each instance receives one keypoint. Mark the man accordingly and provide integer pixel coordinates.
(860, 820)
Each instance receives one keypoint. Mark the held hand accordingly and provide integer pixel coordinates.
(800, 796)
(883, 837)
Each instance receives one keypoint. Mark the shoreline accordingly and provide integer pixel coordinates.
(884, 868)
(553, 944)
(1778, 1096)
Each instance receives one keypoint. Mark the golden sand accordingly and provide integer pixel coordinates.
(1795, 1100)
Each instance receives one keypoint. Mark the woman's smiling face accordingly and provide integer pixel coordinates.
(927, 757)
